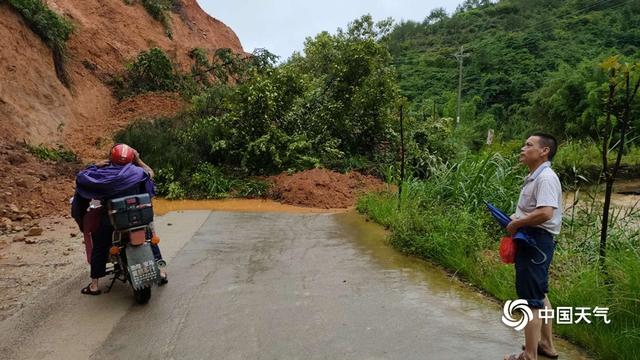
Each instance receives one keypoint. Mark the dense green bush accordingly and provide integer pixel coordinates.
(151, 70)
(160, 145)
(52, 28)
(310, 111)
(207, 182)
(579, 162)
(210, 74)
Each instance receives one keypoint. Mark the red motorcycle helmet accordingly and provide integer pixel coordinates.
(122, 154)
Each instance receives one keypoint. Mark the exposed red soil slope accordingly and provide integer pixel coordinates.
(323, 188)
(37, 108)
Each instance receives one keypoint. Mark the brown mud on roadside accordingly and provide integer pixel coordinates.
(323, 188)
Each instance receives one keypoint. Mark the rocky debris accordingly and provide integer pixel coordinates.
(5, 223)
(16, 158)
(26, 265)
(35, 231)
(25, 195)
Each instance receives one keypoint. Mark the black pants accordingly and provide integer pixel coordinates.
(102, 240)
(532, 273)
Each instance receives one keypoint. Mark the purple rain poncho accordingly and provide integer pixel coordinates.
(107, 182)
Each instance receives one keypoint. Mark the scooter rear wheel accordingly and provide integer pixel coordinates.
(143, 295)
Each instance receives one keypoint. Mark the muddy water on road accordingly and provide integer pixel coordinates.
(163, 206)
(431, 283)
(265, 285)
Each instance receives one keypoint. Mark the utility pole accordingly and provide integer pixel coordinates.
(460, 57)
(401, 180)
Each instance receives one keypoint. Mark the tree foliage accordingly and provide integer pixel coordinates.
(524, 55)
(250, 116)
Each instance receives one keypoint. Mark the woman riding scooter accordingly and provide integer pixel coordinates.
(122, 175)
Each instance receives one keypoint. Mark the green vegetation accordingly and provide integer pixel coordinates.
(52, 28)
(55, 154)
(578, 162)
(152, 70)
(160, 11)
(531, 65)
(443, 220)
(334, 104)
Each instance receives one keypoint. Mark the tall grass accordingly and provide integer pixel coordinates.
(579, 161)
(442, 219)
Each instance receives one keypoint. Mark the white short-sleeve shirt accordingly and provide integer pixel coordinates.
(542, 188)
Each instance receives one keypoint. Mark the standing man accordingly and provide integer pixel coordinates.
(539, 215)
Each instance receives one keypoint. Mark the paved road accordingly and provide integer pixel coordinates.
(270, 286)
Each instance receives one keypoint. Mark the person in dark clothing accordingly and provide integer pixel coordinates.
(124, 175)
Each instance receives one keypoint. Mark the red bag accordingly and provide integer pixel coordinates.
(90, 224)
(508, 249)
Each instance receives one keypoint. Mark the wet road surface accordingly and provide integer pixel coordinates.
(275, 286)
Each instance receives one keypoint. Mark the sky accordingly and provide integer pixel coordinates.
(281, 26)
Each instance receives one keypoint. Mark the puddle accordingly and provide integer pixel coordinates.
(372, 239)
(163, 206)
(432, 284)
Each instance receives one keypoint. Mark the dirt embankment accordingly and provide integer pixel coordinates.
(36, 108)
(34, 105)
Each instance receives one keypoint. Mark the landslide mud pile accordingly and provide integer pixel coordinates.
(323, 188)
